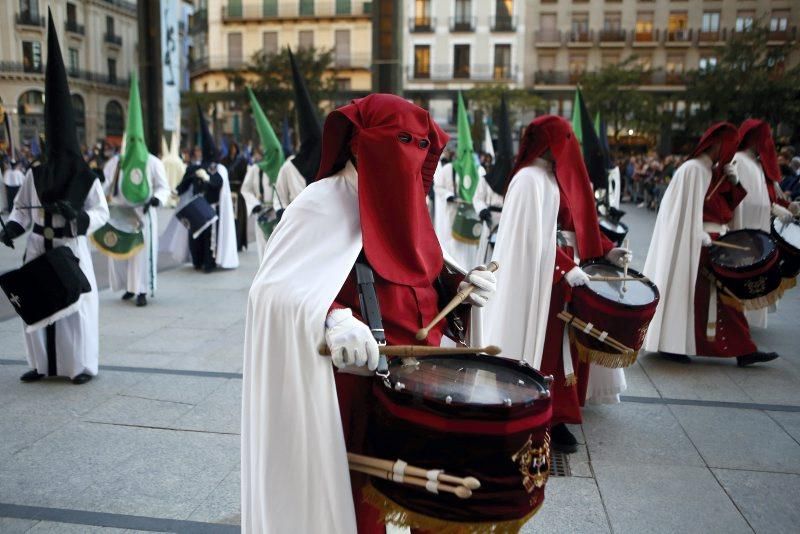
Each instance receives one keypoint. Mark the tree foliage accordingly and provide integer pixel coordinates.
(750, 79)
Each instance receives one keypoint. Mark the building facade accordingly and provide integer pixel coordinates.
(98, 42)
(227, 33)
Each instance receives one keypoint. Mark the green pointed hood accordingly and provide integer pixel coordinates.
(134, 186)
(577, 123)
(270, 145)
(465, 164)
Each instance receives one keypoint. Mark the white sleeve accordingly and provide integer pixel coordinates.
(158, 175)
(20, 214)
(249, 190)
(96, 207)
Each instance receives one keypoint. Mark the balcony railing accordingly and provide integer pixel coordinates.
(679, 36)
(26, 18)
(580, 36)
(352, 61)
(462, 24)
(710, 36)
(662, 77)
(113, 39)
(503, 24)
(789, 34)
(422, 24)
(199, 22)
(471, 73)
(73, 27)
(85, 75)
(122, 4)
(548, 36)
(552, 77)
(612, 35)
(651, 36)
(225, 63)
(257, 11)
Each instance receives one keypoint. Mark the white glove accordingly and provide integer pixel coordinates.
(794, 207)
(731, 174)
(576, 277)
(782, 214)
(619, 256)
(706, 240)
(485, 284)
(202, 174)
(350, 340)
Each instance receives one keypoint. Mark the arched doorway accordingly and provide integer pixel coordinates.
(30, 110)
(115, 122)
(79, 110)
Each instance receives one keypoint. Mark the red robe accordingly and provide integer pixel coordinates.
(733, 333)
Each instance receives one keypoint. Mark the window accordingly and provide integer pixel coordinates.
(504, 9)
(32, 56)
(29, 7)
(342, 84)
(269, 42)
(463, 11)
(608, 60)
(677, 22)
(580, 23)
(644, 26)
(461, 61)
(547, 63)
(115, 123)
(72, 13)
(270, 8)
(502, 61)
(234, 49)
(779, 21)
(422, 11)
(341, 48)
(577, 66)
(422, 61)
(112, 70)
(343, 7)
(110, 26)
(305, 39)
(707, 63)
(710, 21)
(612, 22)
(79, 114)
(744, 20)
(675, 63)
(74, 65)
(307, 7)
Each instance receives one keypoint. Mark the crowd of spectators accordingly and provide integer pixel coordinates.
(646, 177)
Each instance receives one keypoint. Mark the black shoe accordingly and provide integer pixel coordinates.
(31, 376)
(141, 300)
(562, 439)
(81, 379)
(677, 358)
(127, 295)
(208, 269)
(756, 357)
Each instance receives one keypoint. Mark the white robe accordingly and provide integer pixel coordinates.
(674, 257)
(485, 197)
(516, 317)
(256, 181)
(753, 212)
(444, 213)
(139, 274)
(288, 186)
(77, 334)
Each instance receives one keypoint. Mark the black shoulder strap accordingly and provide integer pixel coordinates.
(370, 308)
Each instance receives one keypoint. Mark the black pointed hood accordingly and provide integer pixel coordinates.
(210, 152)
(64, 175)
(504, 152)
(310, 127)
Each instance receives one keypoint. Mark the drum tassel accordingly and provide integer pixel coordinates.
(611, 360)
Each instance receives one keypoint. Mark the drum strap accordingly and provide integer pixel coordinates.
(370, 308)
(50, 330)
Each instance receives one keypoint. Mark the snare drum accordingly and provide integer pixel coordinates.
(753, 275)
(467, 225)
(197, 215)
(614, 230)
(121, 237)
(470, 415)
(787, 236)
(624, 315)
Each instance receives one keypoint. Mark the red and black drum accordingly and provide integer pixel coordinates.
(751, 270)
(621, 310)
(787, 236)
(472, 415)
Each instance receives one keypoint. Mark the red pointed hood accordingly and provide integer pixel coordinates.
(756, 134)
(396, 145)
(724, 133)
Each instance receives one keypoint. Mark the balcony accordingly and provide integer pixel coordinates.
(475, 73)
(612, 37)
(548, 38)
(123, 4)
(12, 67)
(260, 11)
(710, 36)
(661, 77)
(681, 37)
(646, 38)
(26, 18)
(422, 24)
(198, 22)
(782, 36)
(462, 24)
(352, 61)
(551, 77)
(112, 39)
(72, 26)
(503, 24)
(580, 38)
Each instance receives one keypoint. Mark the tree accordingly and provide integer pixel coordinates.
(750, 79)
(485, 100)
(614, 92)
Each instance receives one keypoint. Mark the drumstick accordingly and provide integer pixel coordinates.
(461, 492)
(414, 351)
(625, 266)
(728, 245)
(460, 297)
(578, 324)
(719, 183)
(388, 465)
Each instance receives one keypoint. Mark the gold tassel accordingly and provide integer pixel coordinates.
(765, 301)
(391, 512)
(612, 360)
(788, 283)
(731, 302)
(467, 240)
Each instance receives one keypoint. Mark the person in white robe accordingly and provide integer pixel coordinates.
(258, 195)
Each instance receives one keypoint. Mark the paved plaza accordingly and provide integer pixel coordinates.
(152, 444)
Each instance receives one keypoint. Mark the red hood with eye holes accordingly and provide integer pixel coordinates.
(397, 146)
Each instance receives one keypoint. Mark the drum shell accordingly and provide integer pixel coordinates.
(197, 215)
(789, 254)
(467, 225)
(753, 281)
(496, 449)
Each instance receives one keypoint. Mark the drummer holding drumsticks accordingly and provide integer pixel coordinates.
(299, 417)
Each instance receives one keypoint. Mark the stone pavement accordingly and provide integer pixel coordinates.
(153, 443)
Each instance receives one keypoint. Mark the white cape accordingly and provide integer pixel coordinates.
(254, 182)
(289, 184)
(674, 256)
(516, 317)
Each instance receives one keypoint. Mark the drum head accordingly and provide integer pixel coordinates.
(481, 381)
(789, 233)
(637, 293)
(760, 245)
